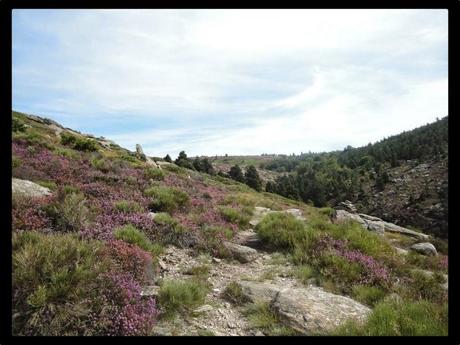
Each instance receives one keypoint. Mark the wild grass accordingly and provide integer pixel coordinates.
(130, 234)
(369, 295)
(234, 294)
(166, 199)
(127, 206)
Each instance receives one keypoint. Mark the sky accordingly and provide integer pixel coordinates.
(236, 82)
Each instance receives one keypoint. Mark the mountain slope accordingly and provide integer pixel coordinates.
(112, 245)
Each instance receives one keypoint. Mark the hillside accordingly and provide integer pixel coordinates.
(106, 241)
(403, 178)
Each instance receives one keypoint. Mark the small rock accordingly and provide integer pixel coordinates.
(152, 215)
(242, 253)
(216, 260)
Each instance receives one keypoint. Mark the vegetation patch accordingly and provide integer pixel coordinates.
(369, 295)
(166, 199)
(127, 206)
(130, 234)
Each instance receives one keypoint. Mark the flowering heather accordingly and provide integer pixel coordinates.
(131, 314)
(375, 273)
(27, 214)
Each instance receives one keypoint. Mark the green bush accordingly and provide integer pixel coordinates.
(236, 216)
(18, 125)
(48, 184)
(234, 294)
(369, 295)
(127, 206)
(53, 275)
(68, 139)
(424, 286)
(130, 234)
(16, 162)
(420, 318)
(68, 189)
(155, 174)
(69, 212)
(85, 145)
(303, 273)
(281, 230)
(177, 296)
(339, 270)
(166, 199)
(211, 240)
(102, 165)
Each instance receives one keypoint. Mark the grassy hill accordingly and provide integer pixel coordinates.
(111, 225)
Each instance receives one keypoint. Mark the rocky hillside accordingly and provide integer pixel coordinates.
(106, 241)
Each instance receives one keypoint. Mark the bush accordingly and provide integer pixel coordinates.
(212, 238)
(303, 273)
(369, 295)
(15, 162)
(130, 234)
(236, 216)
(420, 318)
(180, 296)
(281, 230)
(85, 145)
(127, 206)
(166, 199)
(234, 294)
(53, 276)
(420, 285)
(18, 125)
(48, 184)
(155, 174)
(69, 213)
(68, 139)
(102, 165)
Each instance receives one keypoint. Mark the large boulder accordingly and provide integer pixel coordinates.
(248, 238)
(296, 213)
(378, 227)
(28, 188)
(399, 229)
(142, 156)
(347, 206)
(425, 248)
(341, 216)
(309, 310)
(241, 253)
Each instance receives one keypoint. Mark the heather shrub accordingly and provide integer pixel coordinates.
(420, 318)
(437, 263)
(102, 164)
(166, 199)
(177, 296)
(127, 206)
(69, 213)
(369, 295)
(422, 286)
(154, 174)
(66, 152)
(130, 234)
(53, 283)
(126, 257)
(236, 216)
(212, 238)
(169, 231)
(27, 213)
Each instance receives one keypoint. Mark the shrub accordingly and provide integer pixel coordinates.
(68, 139)
(234, 294)
(201, 271)
(69, 212)
(53, 277)
(15, 162)
(155, 174)
(166, 199)
(127, 206)
(212, 238)
(280, 230)
(236, 216)
(303, 273)
(420, 318)
(85, 145)
(420, 285)
(261, 316)
(369, 295)
(180, 296)
(102, 165)
(48, 184)
(130, 234)
(18, 125)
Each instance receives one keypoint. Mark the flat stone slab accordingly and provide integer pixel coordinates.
(29, 188)
(241, 253)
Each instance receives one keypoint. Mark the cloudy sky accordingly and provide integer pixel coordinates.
(232, 81)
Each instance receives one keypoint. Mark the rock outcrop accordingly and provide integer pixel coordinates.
(29, 188)
(425, 248)
(260, 212)
(309, 310)
(142, 156)
(372, 223)
(241, 253)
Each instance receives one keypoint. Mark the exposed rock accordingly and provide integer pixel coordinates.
(296, 213)
(216, 260)
(248, 238)
(425, 248)
(261, 292)
(378, 227)
(401, 251)
(29, 188)
(242, 253)
(150, 290)
(259, 213)
(395, 228)
(370, 218)
(152, 215)
(142, 156)
(340, 216)
(347, 206)
(308, 310)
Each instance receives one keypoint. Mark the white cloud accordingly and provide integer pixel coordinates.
(233, 81)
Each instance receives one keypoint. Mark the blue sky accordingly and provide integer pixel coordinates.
(232, 81)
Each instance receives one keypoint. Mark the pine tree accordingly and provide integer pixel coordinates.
(252, 178)
(168, 158)
(236, 174)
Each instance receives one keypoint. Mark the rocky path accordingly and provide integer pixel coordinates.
(262, 274)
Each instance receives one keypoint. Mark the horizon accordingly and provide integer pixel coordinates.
(210, 82)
